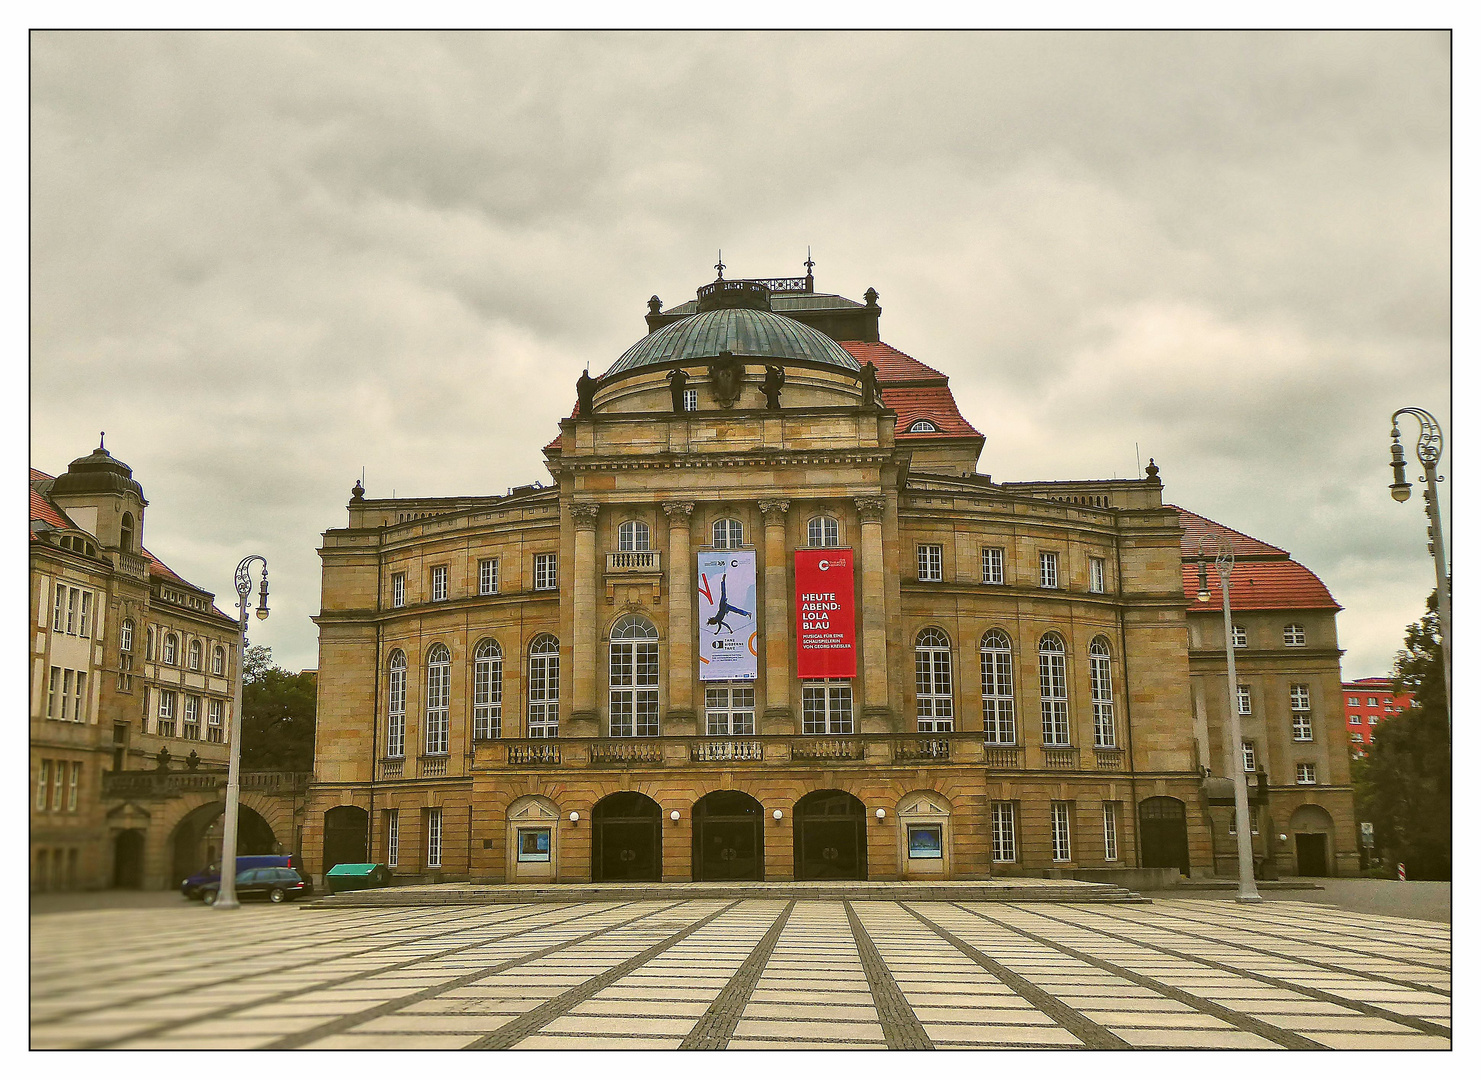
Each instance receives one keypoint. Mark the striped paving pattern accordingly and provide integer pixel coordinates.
(741, 973)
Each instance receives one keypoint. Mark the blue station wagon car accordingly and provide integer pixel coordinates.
(192, 886)
(271, 883)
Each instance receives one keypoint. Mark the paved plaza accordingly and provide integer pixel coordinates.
(766, 973)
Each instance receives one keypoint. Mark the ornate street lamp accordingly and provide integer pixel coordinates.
(1224, 563)
(226, 895)
(1431, 442)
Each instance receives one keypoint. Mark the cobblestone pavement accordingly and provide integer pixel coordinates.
(764, 973)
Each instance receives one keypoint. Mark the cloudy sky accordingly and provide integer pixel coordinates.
(265, 261)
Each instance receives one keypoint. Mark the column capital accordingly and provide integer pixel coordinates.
(871, 507)
(678, 512)
(584, 514)
(774, 511)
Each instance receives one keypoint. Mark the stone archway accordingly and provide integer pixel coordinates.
(627, 838)
(829, 841)
(728, 842)
(1312, 834)
(196, 840)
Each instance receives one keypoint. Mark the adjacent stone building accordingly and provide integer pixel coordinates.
(994, 678)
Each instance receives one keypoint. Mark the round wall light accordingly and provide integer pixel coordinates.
(1282, 838)
(776, 815)
(879, 814)
(673, 815)
(575, 817)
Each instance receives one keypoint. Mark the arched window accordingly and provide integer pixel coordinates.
(126, 532)
(439, 685)
(632, 536)
(149, 644)
(997, 688)
(126, 636)
(726, 534)
(922, 427)
(544, 687)
(218, 661)
(1054, 702)
(634, 678)
(932, 680)
(396, 706)
(488, 690)
(822, 532)
(1100, 693)
(195, 655)
(172, 649)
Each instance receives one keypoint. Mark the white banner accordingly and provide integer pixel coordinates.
(727, 615)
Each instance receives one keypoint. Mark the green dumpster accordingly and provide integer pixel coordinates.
(347, 877)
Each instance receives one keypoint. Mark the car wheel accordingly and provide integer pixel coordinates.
(208, 896)
(277, 896)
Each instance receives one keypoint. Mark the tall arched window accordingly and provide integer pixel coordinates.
(195, 655)
(126, 636)
(439, 686)
(218, 661)
(997, 688)
(126, 532)
(933, 680)
(172, 649)
(488, 690)
(149, 643)
(396, 706)
(726, 534)
(822, 532)
(1054, 702)
(634, 678)
(632, 536)
(544, 687)
(1101, 704)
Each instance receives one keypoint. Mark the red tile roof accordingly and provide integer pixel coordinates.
(1279, 585)
(933, 403)
(1195, 526)
(45, 510)
(893, 365)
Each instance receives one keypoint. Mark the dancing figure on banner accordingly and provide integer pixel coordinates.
(725, 608)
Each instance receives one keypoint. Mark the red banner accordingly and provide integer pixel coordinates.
(825, 614)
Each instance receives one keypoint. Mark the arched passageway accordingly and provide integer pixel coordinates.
(627, 838)
(829, 837)
(196, 840)
(727, 837)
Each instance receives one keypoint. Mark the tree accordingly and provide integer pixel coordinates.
(1404, 789)
(278, 714)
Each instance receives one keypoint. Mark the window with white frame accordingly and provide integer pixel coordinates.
(172, 650)
(218, 661)
(1372, 703)
(992, 566)
(822, 532)
(1108, 823)
(53, 685)
(545, 577)
(434, 836)
(488, 690)
(828, 707)
(726, 534)
(393, 837)
(398, 590)
(488, 577)
(1295, 635)
(543, 716)
(166, 718)
(730, 709)
(1243, 700)
(396, 706)
(1372, 720)
(1249, 756)
(633, 673)
(58, 773)
(1305, 773)
(1355, 701)
(1357, 737)
(74, 781)
(72, 599)
(1048, 570)
(214, 712)
(922, 427)
(1054, 703)
(192, 716)
(43, 782)
(126, 636)
(1240, 640)
(439, 583)
(1004, 833)
(439, 686)
(1102, 706)
(79, 698)
(1059, 830)
(997, 689)
(928, 562)
(194, 656)
(933, 711)
(632, 536)
(59, 610)
(691, 400)
(1097, 574)
(1300, 712)
(84, 625)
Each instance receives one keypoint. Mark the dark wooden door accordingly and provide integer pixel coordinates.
(727, 838)
(1164, 833)
(830, 838)
(1311, 854)
(627, 839)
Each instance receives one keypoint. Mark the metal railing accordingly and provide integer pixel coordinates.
(725, 750)
(634, 562)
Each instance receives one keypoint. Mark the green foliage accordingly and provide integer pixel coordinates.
(278, 713)
(1404, 785)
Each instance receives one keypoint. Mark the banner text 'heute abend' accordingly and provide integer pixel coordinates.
(825, 614)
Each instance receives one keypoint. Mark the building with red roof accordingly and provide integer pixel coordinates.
(1367, 704)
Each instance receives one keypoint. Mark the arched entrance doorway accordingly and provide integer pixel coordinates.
(727, 837)
(627, 838)
(196, 841)
(1312, 827)
(828, 838)
(346, 835)
(128, 859)
(1164, 832)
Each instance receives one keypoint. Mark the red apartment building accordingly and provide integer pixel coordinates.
(1369, 702)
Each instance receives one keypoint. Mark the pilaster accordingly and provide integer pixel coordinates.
(777, 718)
(680, 718)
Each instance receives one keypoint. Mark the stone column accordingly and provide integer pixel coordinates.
(777, 718)
(679, 719)
(585, 574)
(874, 657)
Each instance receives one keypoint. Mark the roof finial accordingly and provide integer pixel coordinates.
(719, 265)
(100, 443)
(809, 264)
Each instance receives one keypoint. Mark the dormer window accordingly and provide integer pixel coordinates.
(922, 427)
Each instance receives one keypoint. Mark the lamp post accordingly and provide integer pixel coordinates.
(1431, 442)
(1224, 563)
(226, 895)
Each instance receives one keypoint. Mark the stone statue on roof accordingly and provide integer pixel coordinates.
(868, 385)
(771, 386)
(586, 388)
(677, 380)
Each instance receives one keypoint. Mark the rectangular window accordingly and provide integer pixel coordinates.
(1372, 702)
(1102, 707)
(828, 707)
(52, 685)
(1372, 720)
(85, 616)
(43, 781)
(1357, 736)
(192, 716)
(72, 598)
(1242, 699)
(488, 577)
(992, 566)
(923, 841)
(439, 583)
(928, 562)
(1301, 712)
(214, 711)
(1048, 570)
(439, 686)
(545, 572)
(1054, 705)
(1059, 825)
(396, 719)
(634, 689)
(393, 837)
(1004, 836)
(58, 777)
(166, 713)
(488, 696)
(1305, 773)
(125, 666)
(730, 710)
(544, 696)
(434, 837)
(1295, 635)
(1240, 641)
(1097, 575)
(533, 845)
(66, 691)
(997, 691)
(691, 400)
(79, 698)
(58, 614)
(1249, 756)
(1108, 819)
(398, 590)
(74, 782)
